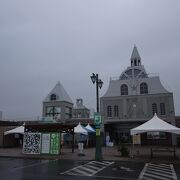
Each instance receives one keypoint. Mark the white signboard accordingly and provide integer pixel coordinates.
(137, 139)
(45, 144)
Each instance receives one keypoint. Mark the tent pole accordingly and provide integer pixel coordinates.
(73, 139)
(132, 148)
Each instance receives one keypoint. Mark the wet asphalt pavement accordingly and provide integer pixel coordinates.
(32, 169)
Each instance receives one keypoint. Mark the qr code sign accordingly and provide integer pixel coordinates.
(32, 143)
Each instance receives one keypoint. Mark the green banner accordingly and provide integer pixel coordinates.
(97, 118)
(55, 143)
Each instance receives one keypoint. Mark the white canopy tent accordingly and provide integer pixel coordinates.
(18, 130)
(81, 132)
(80, 129)
(89, 127)
(155, 125)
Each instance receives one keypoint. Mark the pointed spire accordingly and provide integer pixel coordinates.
(135, 57)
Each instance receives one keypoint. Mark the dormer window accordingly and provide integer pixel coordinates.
(143, 88)
(53, 97)
(124, 89)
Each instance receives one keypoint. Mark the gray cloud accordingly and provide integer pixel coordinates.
(42, 42)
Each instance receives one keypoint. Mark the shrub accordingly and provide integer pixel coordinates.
(124, 151)
(122, 148)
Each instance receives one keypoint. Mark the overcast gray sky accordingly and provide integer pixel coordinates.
(42, 42)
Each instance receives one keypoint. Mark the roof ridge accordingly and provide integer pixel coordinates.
(60, 93)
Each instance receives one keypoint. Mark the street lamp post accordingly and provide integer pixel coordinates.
(99, 83)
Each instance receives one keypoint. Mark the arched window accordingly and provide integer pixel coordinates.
(162, 109)
(124, 89)
(143, 88)
(154, 108)
(109, 111)
(53, 97)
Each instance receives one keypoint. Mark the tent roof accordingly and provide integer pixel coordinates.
(18, 130)
(89, 127)
(155, 125)
(80, 129)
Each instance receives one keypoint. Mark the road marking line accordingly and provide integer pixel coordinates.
(102, 168)
(97, 164)
(70, 173)
(142, 172)
(88, 171)
(71, 169)
(159, 166)
(159, 174)
(101, 163)
(164, 165)
(81, 172)
(154, 176)
(173, 172)
(92, 167)
(159, 170)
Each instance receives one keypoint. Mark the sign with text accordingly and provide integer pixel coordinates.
(45, 144)
(55, 143)
(97, 118)
(98, 132)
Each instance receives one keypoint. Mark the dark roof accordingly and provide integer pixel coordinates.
(83, 121)
(10, 123)
(48, 127)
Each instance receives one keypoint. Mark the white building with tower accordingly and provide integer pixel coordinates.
(132, 98)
